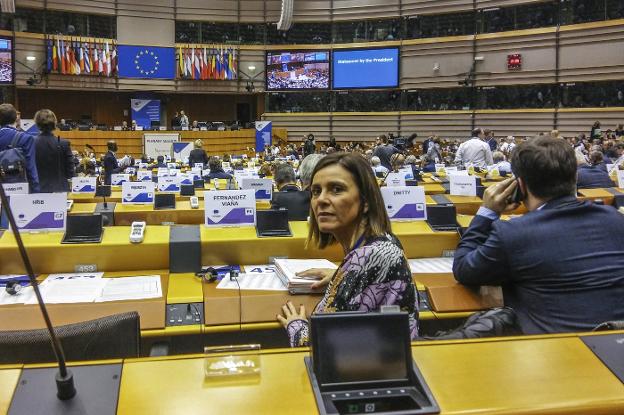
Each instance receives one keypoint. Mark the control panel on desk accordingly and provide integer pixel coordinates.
(184, 314)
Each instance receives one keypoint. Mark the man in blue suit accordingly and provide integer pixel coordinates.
(559, 266)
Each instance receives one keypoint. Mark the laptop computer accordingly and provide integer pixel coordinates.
(272, 222)
(442, 218)
(362, 363)
(83, 229)
(187, 190)
(164, 201)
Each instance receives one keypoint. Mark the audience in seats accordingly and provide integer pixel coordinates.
(385, 151)
(160, 163)
(556, 271)
(377, 167)
(594, 174)
(55, 161)
(500, 163)
(347, 208)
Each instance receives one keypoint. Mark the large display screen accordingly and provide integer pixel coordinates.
(366, 68)
(6, 60)
(297, 70)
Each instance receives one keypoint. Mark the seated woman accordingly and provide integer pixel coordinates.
(347, 208)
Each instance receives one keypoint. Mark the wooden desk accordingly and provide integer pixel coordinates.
(28, 316)
(531, 375)
(9, 376)
(114, 253)
(593, 194)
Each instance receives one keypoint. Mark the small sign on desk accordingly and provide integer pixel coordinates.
(83, 184)
(463, 185)
(40, 211)
(230, 208)
(405, 203)
(137, 193)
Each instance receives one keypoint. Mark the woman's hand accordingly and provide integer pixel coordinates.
(324, 275)
(290, 314)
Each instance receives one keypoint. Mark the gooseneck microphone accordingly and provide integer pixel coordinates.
(64, 378)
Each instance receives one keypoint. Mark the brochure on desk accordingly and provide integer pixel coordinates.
(137, 193)
(230, 208)
(40, 211)
(83, 184)
(405, 203)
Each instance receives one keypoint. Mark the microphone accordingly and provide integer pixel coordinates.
(65, 388)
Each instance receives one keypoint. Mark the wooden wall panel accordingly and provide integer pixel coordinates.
(273, 9)
(302, 124)
(588, 52)
(251, 11)
(363, 126)
(485, 4)
(31, 4)
(365, 9)
(419, 7)
(519, 123)
(446, 124)
(312, 11)
(154, 9)
(418, 60)
(83, 6)
(537, 48)
(217, 10)
(573, 121)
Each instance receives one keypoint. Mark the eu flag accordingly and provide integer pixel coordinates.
(146, 62)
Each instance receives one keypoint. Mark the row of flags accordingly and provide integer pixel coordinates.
(77, 57)
(207, 63)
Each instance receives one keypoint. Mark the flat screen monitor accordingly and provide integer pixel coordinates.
(365, 68)
(6, 60)
(287, 70)
(359, 348)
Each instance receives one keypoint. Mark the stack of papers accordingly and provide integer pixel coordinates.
(130, 288)
(287, 269)
(442, 265)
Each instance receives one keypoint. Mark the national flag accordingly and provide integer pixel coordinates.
(233, 71)
(96, 59)
(69, 67)
(100, 53)
(213, 66)
(206, 66)
(57, 52)
(197, 74)
(114, 59)
(49, 54)
(82, 61)
(62, 57)
(108, 61)
(193, 62)
(201, 64)
(180, 63)
(77, 57)
(187, 63)
(87, 58)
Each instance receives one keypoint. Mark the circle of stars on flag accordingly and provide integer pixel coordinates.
(140, 63)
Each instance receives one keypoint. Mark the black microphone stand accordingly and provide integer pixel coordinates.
(64, 378)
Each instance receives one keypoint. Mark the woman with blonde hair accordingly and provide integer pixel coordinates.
(198, 155)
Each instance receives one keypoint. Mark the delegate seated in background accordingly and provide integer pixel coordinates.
(348, 209)
(593, 175)
(216, 170)
(556, 271)
(289, 196)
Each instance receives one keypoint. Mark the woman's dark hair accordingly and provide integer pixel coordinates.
(547, 166)
(376, 219)
(45, 120)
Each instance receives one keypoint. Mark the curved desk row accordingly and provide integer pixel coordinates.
(555, 374)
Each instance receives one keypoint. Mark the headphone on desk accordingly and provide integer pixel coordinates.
(210, 274)
(13, 287)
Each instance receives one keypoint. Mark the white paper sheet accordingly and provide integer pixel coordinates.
(130, 288)
(440, 265)
(70, 288)
(255, 277)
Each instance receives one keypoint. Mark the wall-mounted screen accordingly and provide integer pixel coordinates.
(6, 60)
(297, 70)
(365, 68)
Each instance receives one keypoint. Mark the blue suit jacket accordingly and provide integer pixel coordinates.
(591, 177)
(561, 268)
(27, 143)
